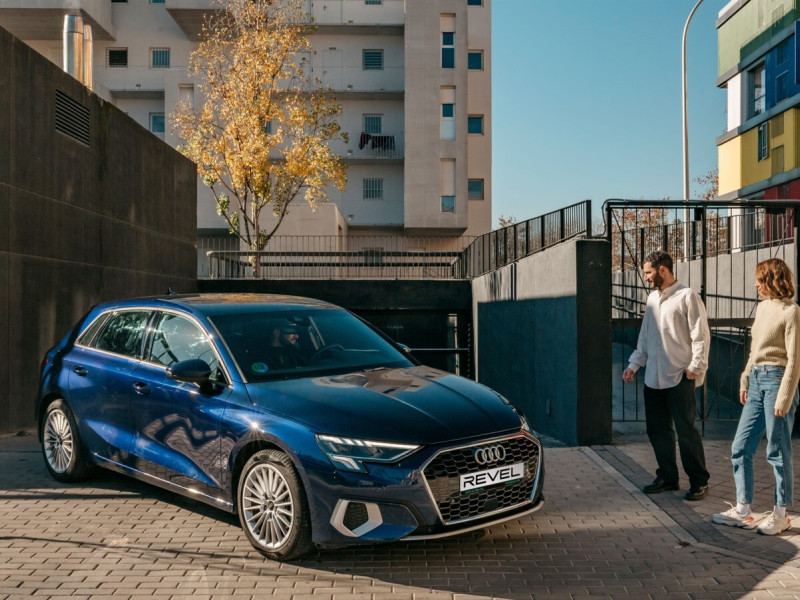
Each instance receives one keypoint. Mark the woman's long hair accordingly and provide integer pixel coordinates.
(775, 278)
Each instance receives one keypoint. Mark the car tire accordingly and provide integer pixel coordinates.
(272, 506)
(64, 455)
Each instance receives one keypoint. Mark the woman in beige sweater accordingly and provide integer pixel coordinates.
(768, 393)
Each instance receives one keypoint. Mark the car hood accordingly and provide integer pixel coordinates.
(417, 405)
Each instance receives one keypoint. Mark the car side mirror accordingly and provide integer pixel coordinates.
(193, 370)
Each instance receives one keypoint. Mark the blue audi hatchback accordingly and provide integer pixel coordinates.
(293, 413)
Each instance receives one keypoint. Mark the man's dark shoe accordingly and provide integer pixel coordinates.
(659, 485)
(697, 492)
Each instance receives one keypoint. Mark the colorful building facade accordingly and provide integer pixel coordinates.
(759, 154)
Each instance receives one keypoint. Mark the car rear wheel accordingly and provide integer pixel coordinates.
(272, 506)
(61, 443)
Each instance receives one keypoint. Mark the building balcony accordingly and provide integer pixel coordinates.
(356, 82)
(354, 13)
(352, 17)
(44, 19)
(134, 81)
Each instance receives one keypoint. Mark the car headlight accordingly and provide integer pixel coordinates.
(523, 423)
(350, 454)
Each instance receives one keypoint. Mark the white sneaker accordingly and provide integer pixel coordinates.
(733, 518)
(774, 524)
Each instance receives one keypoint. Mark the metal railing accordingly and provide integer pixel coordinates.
(338, 257)
(509, 244)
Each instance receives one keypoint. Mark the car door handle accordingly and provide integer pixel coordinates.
(80, 371)
(141, 388)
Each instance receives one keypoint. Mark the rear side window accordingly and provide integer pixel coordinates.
(123, 333)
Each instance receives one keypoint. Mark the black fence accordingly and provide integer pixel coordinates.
(509, 244)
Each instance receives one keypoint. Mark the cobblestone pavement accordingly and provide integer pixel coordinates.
(597, 536)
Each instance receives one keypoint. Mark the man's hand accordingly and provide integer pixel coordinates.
(689, 374)
(627, 375)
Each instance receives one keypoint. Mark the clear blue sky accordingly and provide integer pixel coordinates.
(586, 101)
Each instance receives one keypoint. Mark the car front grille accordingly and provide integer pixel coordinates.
(443, 473)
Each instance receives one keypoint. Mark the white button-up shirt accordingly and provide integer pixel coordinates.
(674, 336)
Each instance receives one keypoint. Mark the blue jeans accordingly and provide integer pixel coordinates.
(758, 416)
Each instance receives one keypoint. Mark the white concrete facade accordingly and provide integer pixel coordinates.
(403, 178)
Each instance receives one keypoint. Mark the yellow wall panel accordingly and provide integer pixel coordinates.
(729, 156)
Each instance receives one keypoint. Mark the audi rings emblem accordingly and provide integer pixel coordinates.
(486, 455)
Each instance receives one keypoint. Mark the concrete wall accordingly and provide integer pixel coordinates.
(84, 222)
(543, 339)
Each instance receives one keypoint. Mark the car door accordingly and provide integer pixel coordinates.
(101, 380)
(178, 424)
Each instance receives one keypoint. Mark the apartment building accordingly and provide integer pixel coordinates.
(759, 154)
(413, 78)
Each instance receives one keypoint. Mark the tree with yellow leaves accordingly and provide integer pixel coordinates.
(260, 137)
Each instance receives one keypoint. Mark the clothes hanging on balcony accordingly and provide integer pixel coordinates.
(383, 142)
(376, 142)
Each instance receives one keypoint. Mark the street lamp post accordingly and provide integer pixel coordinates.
(686, 212)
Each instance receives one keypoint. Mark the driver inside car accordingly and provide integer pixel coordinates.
(283, 351)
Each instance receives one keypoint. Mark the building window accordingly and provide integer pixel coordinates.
(448, 100)
(372, 124)
(119, 1)
(782, 86)
(475, 189)
(268, 128)
(448, 50)
(373, 2)
(372, 60)
(373, 188)
(763, 141)
(757, 96)
(159, 58)
(475, 60)
(157, 122)
(475, 124)
(117, 58)
(474, 2)
(782, 52)
(156, 1)
(448, 121)
(447, 185)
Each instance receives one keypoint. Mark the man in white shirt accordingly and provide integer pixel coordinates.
(673, 346)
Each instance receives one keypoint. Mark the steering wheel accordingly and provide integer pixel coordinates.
(318, 354)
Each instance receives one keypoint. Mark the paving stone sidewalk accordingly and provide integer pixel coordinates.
(597, 536)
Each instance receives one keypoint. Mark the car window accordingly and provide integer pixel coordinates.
(88, 335)
(304, 342)
(123, 333)
(177, 338)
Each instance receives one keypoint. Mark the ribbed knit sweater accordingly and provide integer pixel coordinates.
(776, 341)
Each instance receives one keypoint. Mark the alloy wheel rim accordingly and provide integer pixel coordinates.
(268, 507)
(58, 443)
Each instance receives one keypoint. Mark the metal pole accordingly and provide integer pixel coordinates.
(686, 213)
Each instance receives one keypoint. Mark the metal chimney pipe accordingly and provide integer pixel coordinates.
(88, 48)
(73, 46)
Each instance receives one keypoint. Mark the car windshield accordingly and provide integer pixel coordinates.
(304, 342)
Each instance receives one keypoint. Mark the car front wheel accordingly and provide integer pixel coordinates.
(61, 444)
(272, 506)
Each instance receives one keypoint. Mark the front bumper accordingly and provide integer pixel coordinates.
(408, 501)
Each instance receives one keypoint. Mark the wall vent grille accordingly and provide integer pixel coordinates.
(72, 118)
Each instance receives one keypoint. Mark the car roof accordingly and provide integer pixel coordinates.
(221, 303)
